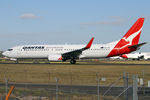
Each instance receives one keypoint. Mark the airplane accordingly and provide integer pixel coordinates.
(127, 44)
(137, 56)
(116, 57)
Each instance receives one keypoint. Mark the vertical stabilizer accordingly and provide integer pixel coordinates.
(133, 35)
(129, 42)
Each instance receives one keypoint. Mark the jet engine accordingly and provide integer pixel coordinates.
(55, 57)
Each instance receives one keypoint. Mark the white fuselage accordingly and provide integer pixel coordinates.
(43, 51)
(144, 55)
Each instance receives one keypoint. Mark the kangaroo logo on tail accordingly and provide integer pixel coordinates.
(132, 36)
(130, 40)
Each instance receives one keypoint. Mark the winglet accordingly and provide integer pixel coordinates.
(90, 43)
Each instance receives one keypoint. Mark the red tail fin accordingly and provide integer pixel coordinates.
(130, 40)
(133, 35)
(136, 28)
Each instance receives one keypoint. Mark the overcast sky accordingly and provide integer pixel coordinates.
(70, 21)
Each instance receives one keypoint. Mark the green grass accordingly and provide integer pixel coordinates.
(83, 73)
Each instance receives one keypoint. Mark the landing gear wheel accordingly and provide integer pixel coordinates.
(72, 61)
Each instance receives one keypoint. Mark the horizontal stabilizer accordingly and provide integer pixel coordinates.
(137, 46)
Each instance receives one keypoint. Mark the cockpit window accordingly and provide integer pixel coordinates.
(10, 49)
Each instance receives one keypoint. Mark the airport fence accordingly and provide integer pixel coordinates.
(125, 87)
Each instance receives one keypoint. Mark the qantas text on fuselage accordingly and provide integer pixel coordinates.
(128, 43)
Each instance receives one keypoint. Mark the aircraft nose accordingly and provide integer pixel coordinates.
(4, 53)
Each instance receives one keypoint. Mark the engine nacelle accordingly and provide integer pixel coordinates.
(55, 57)
(13, 59)
(81, 57)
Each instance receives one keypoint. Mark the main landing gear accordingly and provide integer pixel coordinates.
(72, 61)
(17, 61)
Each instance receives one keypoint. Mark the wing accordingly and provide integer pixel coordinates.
(75, 54)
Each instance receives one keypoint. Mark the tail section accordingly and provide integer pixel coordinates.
(133, 34)
(131, 38)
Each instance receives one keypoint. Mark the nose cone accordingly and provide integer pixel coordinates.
(5, 53)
